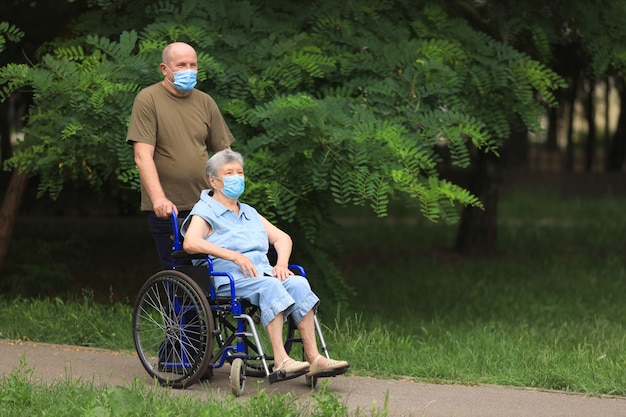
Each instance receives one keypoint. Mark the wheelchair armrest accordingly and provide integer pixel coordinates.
(181, 254)
(298, 269)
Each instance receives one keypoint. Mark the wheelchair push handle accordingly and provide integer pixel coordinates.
(177, 244)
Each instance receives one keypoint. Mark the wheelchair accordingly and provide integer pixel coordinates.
(182, 331)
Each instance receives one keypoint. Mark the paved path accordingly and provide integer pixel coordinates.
(406, 398)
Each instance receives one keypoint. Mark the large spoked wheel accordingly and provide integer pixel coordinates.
(172, 329)
(237, 377)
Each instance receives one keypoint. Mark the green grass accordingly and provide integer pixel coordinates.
(548, 311)
(20, 397)
(76, 321)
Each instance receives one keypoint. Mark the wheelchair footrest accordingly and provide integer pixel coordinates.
(281, 375)
(333, 372)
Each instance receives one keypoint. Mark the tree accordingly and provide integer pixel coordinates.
(358, 103)
(509, 92)
(17, 183)
(578, 41)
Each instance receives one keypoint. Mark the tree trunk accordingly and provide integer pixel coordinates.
(617, 154)
(569, 147)
(552, 144)
(555, 117)
(5, 132)
(607, 121)
(518, 151)
(590, 114)
(5, 142)
(478, 229)
(9, 210)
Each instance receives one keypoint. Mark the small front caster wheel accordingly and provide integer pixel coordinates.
(237, 377)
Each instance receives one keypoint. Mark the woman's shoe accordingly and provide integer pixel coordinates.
(331, 365)
(296, 366)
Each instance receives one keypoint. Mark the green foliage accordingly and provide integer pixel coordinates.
(498, 84)
(572, 37)
(357, 104)
(308, 84)
(598, 33)
(76, 128)
(9, 32)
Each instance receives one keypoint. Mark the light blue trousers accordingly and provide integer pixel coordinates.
(293, 296)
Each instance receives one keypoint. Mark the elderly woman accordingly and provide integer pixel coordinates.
(238, 238)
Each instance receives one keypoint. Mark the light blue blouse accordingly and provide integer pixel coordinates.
(243, 233)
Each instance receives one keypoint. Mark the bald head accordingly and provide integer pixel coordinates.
(175, 51)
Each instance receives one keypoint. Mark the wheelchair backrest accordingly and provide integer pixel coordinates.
(179, 256)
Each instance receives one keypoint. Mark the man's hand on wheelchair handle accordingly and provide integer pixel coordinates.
(164, 208)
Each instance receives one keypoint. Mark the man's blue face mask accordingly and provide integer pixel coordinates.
(185, 80)
(233, 186)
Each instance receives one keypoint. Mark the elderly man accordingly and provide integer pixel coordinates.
(172, 128)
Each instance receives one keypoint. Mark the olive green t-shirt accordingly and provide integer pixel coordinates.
(182, 130)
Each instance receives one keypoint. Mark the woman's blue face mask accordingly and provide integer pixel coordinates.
(234, 186)
(185, 80)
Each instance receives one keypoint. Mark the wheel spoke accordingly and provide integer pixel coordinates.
(172, 328)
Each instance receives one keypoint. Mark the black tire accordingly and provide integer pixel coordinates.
(173, 329)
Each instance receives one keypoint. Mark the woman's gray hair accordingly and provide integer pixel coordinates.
(221, 158)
